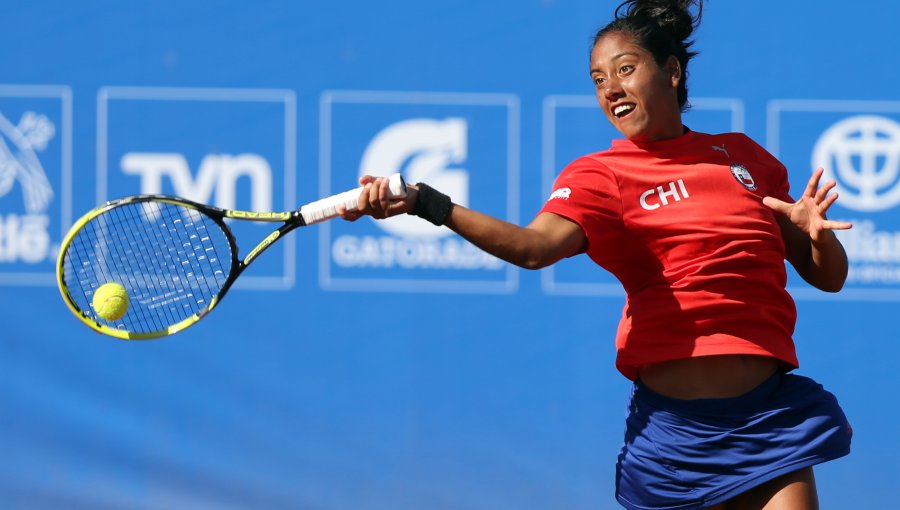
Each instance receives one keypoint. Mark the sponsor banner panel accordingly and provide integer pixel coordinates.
(35, 180)
(857, 143)
(233, 148)
(464, 145)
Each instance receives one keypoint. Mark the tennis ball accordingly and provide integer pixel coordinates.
(110, 301)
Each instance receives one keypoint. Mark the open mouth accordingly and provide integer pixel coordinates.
(623, 110)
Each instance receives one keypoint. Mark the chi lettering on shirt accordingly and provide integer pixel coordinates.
(682, 225)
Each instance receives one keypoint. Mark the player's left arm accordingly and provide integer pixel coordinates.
(810, 243)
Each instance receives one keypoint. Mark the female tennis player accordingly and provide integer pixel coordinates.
(697, 228)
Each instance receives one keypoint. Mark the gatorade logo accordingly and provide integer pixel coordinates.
(464, 145)
(422, 150)
(433, 151)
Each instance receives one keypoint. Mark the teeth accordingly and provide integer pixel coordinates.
(623, 108)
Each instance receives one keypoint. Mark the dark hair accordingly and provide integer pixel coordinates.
(662, 27)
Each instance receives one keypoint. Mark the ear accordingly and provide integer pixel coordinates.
(673, 68)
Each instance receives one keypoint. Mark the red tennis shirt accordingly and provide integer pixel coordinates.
(682, 225)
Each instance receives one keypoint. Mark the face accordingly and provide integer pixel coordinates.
(639, 98)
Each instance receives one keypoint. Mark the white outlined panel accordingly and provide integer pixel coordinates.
(200, 128)
(858, 144)
(36, 181)
(465, 144)
(574, 125)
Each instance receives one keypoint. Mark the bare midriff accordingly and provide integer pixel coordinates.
(723, 376)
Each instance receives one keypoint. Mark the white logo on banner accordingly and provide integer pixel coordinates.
(426, 150)
(423, 150)
(25, 237)
(217, 172)
(862, 154)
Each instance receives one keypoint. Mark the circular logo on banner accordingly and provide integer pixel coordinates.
(862, 154)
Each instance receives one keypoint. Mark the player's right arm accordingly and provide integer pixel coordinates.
(547, 239)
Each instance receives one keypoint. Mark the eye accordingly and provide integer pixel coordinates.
(626, 69)
(599, 81)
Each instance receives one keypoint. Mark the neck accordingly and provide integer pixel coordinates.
(666, 134)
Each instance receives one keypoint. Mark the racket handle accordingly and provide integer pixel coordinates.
(329, 207)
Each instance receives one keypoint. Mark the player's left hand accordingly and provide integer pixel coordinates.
(808, 213)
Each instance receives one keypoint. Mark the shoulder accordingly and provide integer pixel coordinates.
(734, 138)
(737, 140)
(591, 171)
(596, 162)
(739, 144)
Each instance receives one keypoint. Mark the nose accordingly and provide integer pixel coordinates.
(613, 90)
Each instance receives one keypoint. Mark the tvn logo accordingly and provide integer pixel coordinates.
(858, 145)
(215, 181)
(233, 148)
(465, 145)
(35, 181)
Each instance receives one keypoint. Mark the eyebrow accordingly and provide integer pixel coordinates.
(617, 57)
(624, 53)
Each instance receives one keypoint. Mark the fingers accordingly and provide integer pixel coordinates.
(808, 212)
(822, 193)
(823, 198)
(825, 203)
(370, 201)
(818, 222)
(837, 225)
(375, 198)
(813, 185)
(777, 205)
(813, 189)
(349, 215)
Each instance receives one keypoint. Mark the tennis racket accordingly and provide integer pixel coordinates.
(175, 258)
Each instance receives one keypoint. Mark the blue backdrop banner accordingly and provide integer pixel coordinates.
(312, 385)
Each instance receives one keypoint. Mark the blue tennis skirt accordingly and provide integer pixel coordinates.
(692, 454)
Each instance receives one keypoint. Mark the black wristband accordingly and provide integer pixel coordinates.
(432, 205)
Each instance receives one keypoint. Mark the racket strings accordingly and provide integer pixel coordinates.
(192, 259)
(172, 260)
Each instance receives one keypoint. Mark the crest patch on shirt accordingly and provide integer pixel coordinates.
(743, 176)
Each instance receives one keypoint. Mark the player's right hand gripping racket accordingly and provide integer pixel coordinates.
(175, 258)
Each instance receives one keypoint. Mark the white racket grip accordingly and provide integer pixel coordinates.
(329, 207)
